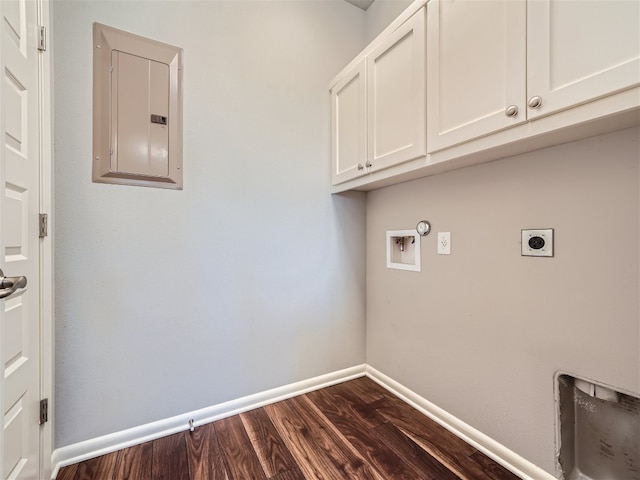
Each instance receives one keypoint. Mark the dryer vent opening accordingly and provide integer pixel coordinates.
(599, 431)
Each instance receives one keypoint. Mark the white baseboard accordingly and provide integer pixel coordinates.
(95, 447)
(498, 452)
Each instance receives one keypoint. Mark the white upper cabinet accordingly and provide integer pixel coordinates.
(498, 63)
(579, 51)
(378, 105)
(453, 83)
(396, 96)
(476, 69)
(349, 125)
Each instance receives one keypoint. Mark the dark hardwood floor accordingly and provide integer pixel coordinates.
(354, 430)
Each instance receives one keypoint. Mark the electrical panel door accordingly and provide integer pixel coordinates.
(137, 110)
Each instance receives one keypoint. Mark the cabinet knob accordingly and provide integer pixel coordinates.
(360, 166)
(511, 111)
(535, 102)
(368, 164)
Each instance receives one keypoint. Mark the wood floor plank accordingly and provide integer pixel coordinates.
(320, 453)
(443, 445)
(293, 474)
(340, 411)
(135, 463)
(358, 467)
(358, 407)
(170, 458)
(269, 446)
(368, 390)
(68, 473)
(427, 467)
(314, 462)
(204, 456)
(465, 467)
(239, 456)
(492, 469)
(405, 417)
(100, 468)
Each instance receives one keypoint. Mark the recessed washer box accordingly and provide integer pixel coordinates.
(537, 242)
(403, 250)
(137, 110)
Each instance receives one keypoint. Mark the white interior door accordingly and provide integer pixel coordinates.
(19, 241)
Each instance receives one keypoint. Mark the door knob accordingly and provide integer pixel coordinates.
(511, 111)
(9, 285)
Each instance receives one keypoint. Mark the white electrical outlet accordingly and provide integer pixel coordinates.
(444, 243)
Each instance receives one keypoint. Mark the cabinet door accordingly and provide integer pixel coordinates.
(396, 96)
(581, 50)
(476, 77)
(348, 126)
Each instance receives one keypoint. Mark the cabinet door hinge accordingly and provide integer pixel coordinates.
(44, 220)
(42, 39)
(44, 411)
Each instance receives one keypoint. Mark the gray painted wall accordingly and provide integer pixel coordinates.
(250, 278)
(482, 332)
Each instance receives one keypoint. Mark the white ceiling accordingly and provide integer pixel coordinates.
(363, 4)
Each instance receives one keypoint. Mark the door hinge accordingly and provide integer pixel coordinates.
(42, 39)
(44, 220)
(44, 411)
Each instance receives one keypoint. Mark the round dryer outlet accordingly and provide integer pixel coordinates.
(537, 243)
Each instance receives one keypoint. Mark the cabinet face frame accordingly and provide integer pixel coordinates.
(349, 126)
(513, 70)
(408, 104)
(543, 44)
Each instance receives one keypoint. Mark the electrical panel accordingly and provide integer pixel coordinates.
(137, 110)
